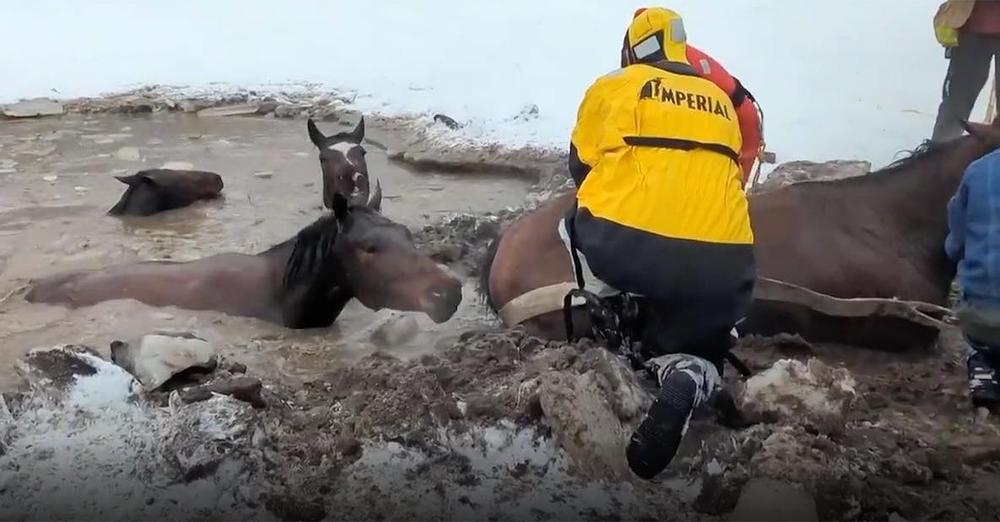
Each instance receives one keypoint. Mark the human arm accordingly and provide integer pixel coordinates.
(954, 243)
(750, 129)
(577, 168)
(586, 137)
(747, 114)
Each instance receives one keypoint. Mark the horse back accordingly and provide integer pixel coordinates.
(836, 242)
(230, 283)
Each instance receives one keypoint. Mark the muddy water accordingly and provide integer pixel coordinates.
(56, 183)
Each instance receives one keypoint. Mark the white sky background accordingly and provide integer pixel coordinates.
(837, 79)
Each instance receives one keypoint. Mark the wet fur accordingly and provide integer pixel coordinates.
(311, 292)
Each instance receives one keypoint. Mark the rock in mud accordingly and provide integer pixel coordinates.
(812, 393)
(200, 437)
(583, 422)
(33, 108)
(230, 110)
(447, 121)
(192, 105)
(128, 154)
(287, 111)
(155, 358)
(178, 165)
(57, 367)
(246, 389)
(134, 105)
(766, 499)
(804, 171)
(291, 508)
(395, 331)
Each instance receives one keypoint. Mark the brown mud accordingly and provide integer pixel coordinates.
(465, 421)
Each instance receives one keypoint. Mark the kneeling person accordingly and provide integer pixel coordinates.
(973, 242)
(661, 213)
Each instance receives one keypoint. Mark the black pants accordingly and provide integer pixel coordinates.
(695, 328)
(968, 70)
(693, 292)
(981, 327)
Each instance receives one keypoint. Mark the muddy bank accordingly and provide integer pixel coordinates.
(501, 425)
(467, 434)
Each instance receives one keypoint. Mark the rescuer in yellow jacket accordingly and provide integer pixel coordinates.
(661, 213)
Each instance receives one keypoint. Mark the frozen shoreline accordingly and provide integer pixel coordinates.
(832, 82)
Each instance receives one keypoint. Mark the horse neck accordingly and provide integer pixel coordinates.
(918, 194)
(315, 301)
(917, 199)
(277, 260)
(948, 174)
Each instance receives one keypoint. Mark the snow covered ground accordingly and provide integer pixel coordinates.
(846, 79)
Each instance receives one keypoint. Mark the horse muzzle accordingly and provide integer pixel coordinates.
(441, 301)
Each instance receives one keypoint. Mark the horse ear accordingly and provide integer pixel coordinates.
(968, 126)
(339, 206)
(988, 133)
(315, 135)
(358, 134)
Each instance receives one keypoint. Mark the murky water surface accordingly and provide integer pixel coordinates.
(57, 182)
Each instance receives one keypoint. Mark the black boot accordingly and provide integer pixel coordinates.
(984, 386)
(686, 382)
(655, 442)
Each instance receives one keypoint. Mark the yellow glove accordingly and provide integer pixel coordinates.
(946, 36)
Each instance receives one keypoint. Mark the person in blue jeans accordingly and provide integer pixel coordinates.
(973, 243)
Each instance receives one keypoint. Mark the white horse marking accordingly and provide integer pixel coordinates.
(344, 147)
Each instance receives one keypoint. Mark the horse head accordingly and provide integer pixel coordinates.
(156, 190)
(373, 259)
(345, 171)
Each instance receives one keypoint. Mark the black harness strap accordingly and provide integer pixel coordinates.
(680, 144)
(571, 232)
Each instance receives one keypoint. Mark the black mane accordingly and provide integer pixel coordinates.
(313, 246)
(485, 265)
(926, 150)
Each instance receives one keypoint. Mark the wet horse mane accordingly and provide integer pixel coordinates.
(312, 247)
(927, 152)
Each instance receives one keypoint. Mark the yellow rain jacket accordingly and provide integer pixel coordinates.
(662, 147)
(660, 208)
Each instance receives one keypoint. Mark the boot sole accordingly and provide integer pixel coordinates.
(655, 442)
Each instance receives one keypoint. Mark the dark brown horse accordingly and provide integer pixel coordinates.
(157, 190)
(305, 282)
(345, 171)
(877, 235)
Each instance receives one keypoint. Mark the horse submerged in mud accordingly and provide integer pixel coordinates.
(304, 282)
(879, 235)
(157, 190)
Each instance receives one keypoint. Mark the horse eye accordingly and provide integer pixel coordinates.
(370, 248)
